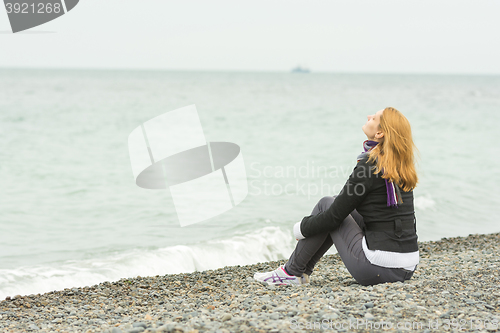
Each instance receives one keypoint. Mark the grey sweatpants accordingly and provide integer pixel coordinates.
(347, 239)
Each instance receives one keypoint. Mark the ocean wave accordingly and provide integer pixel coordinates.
(269, 243)
(424, 202)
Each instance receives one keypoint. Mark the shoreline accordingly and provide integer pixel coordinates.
(455, 287)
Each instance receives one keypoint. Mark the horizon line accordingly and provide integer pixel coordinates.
(249, 71)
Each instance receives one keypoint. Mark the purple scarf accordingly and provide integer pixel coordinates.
(393, 193)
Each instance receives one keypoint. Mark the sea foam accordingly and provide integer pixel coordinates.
(269, 243)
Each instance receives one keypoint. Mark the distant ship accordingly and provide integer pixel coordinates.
(300, 69)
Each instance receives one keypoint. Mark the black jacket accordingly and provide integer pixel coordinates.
(385, 228)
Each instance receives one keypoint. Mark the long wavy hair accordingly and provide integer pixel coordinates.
(395, 153)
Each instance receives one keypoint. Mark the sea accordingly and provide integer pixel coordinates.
(71, 214)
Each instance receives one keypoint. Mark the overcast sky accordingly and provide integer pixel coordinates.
(438, 36)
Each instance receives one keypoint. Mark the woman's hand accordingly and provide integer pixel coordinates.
(296, 231)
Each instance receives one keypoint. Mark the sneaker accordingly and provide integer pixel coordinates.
(279, 277)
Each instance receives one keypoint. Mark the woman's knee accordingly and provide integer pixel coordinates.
(326, 201)
(322, 205)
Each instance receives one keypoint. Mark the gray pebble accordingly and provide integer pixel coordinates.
(136, 330)
(274, 316)
(368, 305)
(226, 317)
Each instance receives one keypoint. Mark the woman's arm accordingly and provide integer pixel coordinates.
(353, 193)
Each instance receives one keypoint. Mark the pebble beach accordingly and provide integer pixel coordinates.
(455, 288)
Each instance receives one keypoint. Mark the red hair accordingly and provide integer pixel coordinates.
(395, 152)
